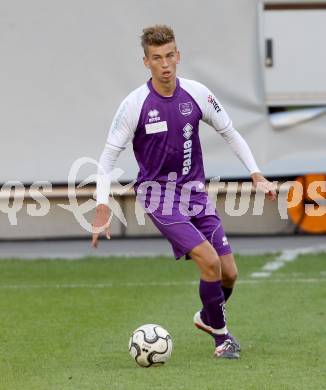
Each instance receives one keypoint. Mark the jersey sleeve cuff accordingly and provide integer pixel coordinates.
(103, 187)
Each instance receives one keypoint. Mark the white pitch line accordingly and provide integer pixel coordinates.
(288, 255)
(156, 284)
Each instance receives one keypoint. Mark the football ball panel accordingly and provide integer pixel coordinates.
(162, 356)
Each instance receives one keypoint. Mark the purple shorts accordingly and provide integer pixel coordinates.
(185, 232)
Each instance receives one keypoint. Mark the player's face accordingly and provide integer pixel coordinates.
(162, 62)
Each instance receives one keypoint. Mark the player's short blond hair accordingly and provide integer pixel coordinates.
(157, 35)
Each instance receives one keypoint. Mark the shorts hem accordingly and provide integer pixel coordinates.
(185, 252)
(224, 253)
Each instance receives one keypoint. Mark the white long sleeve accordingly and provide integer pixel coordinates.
(121, 132)
(214, 114)
(106, 165)
(240, 148)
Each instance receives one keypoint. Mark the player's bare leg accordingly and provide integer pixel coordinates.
(212, 297)
(208, 262)
(229, 274)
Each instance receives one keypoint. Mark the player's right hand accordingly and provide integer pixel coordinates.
(101, 223)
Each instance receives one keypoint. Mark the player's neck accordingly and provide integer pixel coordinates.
(164, 89)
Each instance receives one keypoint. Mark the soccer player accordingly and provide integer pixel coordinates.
(161, 118)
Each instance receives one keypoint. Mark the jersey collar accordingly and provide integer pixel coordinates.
(166, 98)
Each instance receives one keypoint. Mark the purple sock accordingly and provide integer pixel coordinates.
(212, 297)
(203, 316)
(227, 291)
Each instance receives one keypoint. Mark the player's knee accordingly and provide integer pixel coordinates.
(230, 277)
(212, 268)
(208, 261)
(233, 275)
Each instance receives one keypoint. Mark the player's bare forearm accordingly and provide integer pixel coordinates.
(101, 223)
(264, 185)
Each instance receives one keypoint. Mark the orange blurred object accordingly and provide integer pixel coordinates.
(310, 212)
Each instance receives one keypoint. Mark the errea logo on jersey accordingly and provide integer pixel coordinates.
(154, 116)
(187, 149)
(187, 131)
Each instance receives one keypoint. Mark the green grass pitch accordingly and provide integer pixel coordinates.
(66, 325)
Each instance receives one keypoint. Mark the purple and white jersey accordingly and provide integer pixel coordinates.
(164, 130)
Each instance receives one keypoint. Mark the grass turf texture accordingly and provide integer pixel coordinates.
(66, 325)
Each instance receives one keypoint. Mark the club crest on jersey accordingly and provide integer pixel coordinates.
(185, 108)
(154, 116)
(187, 131)
(211, 99)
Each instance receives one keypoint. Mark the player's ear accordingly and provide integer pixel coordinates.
(178, 57)
(146, 62)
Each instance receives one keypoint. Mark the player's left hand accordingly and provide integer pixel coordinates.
(264, 185)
